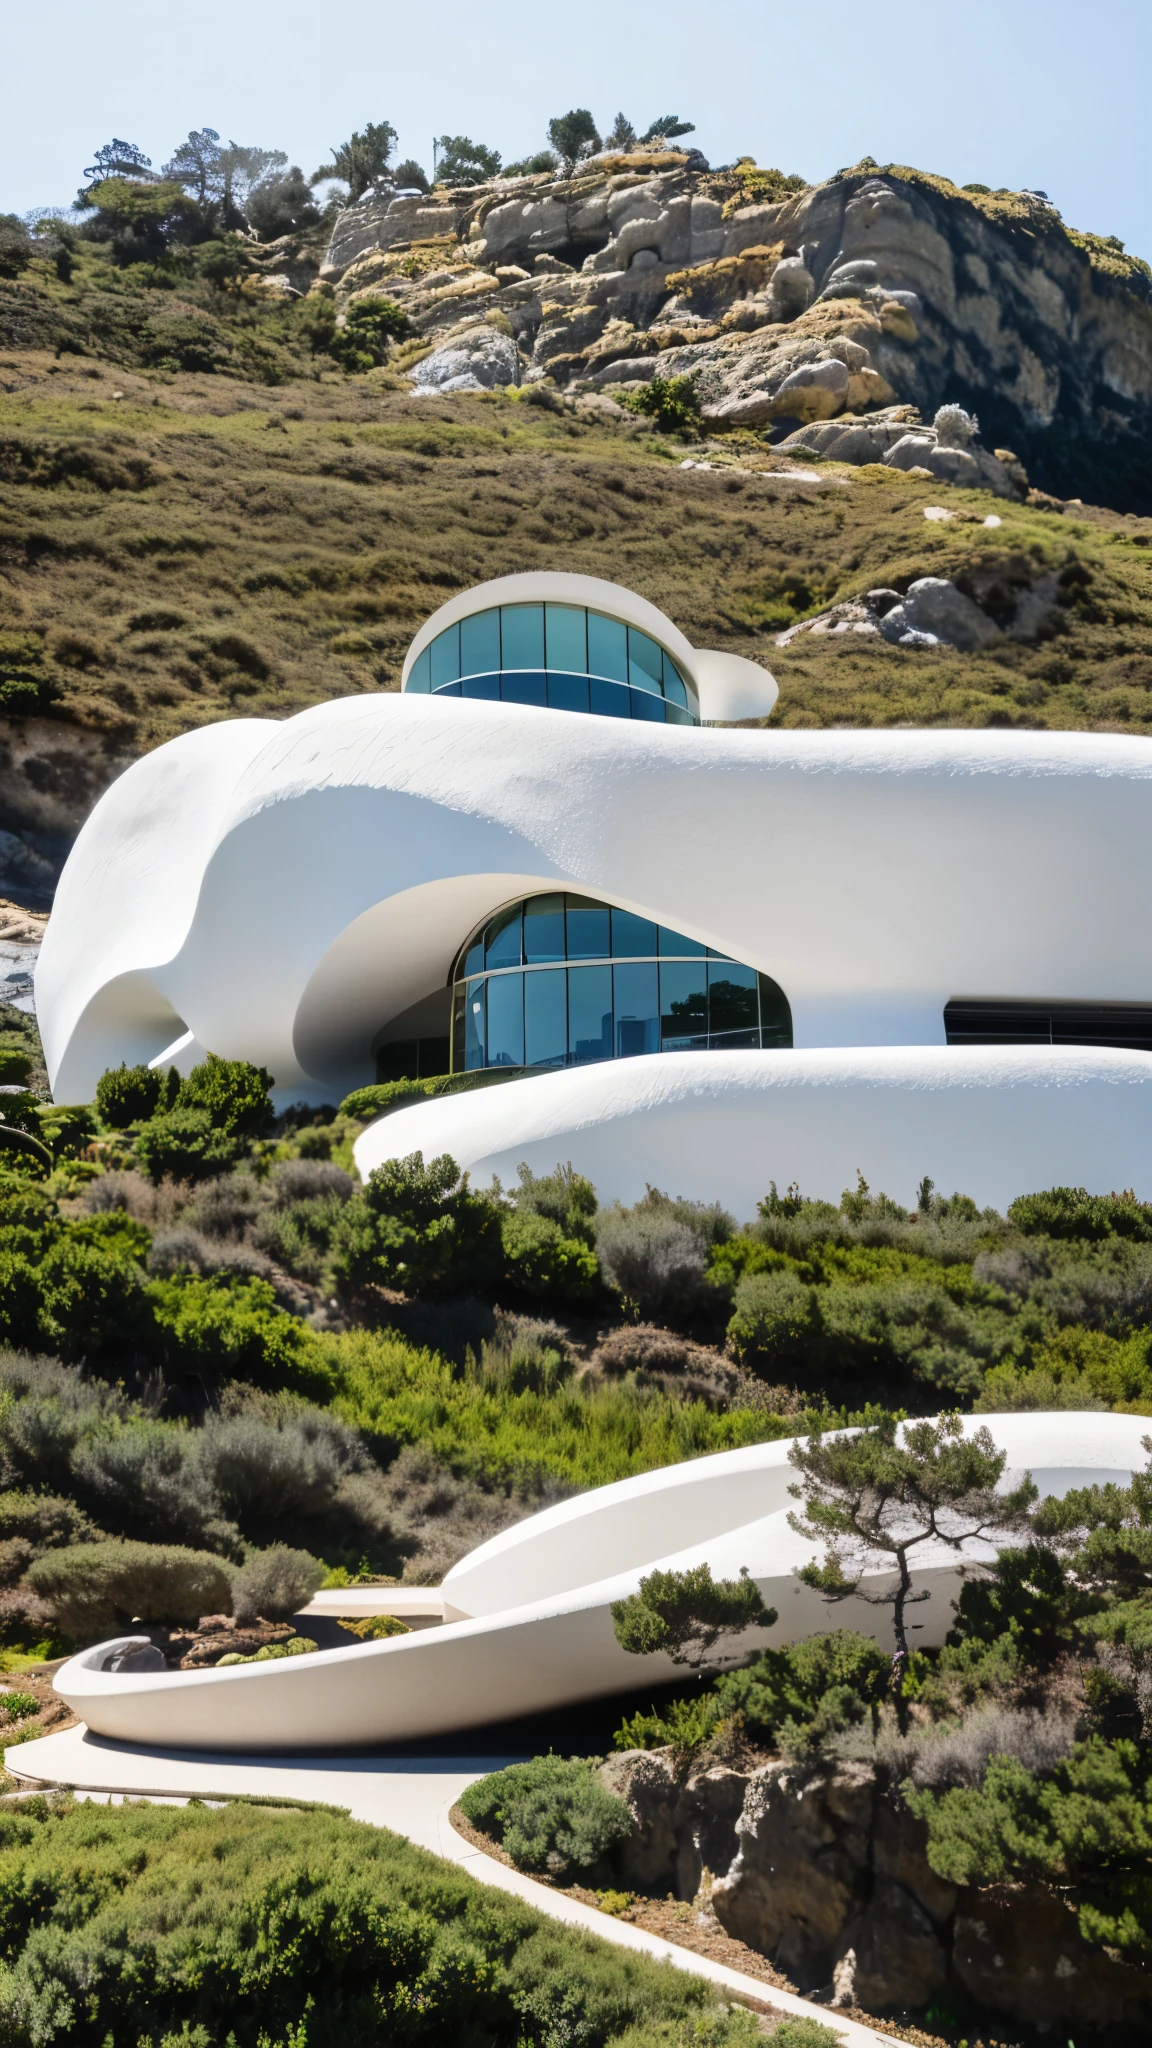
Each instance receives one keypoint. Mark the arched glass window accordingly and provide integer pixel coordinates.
(561, 980)
(560, 655)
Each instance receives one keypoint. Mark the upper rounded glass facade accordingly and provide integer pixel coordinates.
(561, 980)
(560, 655)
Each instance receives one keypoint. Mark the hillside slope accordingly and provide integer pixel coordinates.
(201, 516)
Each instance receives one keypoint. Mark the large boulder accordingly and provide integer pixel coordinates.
(684, 1826)
(801, 1873)
(477, 360)
(892, 1955)
(935, 612)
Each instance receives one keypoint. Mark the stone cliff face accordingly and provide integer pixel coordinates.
(790, 307)
(820, 1867)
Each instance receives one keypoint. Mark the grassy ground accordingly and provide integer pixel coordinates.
(178, 546)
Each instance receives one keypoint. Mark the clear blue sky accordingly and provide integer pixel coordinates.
(1047, 93)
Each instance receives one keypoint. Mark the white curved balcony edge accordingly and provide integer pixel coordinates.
(991, 1121)
(538, 1630)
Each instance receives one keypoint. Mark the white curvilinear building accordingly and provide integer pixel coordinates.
(706, 956)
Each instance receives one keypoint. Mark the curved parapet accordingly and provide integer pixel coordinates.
(533, 1606)
(990, 1121)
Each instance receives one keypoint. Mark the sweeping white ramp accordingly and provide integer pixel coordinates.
(527, 1617)
(991, 1121)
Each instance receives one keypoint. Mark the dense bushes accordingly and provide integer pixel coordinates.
(147, 1924)
(272, 1584)
(419, 1228)
(796, 1699)
(549, 1814)
(97, 1589)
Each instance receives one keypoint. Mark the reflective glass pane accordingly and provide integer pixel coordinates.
(645, 662)
(683, 1004)
(546, 1018)
(587, 929)
(632, 937)
(445, 652)
(522, 636)
(609, 700)
(775, 1015)
(675, 714)
(645, 706)
(474, 1035)
(675, 942)
(420, 674)
(567, 628)
(732, 997)
(459, 1060)
(674, 688)
(567, 693)
(607, 648)
(543, 929)
(589, 1014)
(473, 961)
(480, 643)
(506, 1020)
(524, 686)
(637, 1010)
(502, 939)
(481, 686)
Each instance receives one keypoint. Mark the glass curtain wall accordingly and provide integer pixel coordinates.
(558, 655)
(561, 980)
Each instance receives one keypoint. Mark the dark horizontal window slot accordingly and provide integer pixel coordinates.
(1125, 1026)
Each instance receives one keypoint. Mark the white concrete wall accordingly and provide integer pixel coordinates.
(541, 1637)
(992, 1122)
(282, 891)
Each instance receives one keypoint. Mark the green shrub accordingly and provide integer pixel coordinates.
(234, 1330)
(805, 2033)
(1024, 1596)
(138, 1475)
(419, 1228)
(145, 1924)
(275, 1583)
(185, 1144)
(1074, 1213)
(1088, 1823)
(653, 1260)
(376, 1628)
(670, 401)
(370, 326)
(549, 1814)
(804, 1694)
(775, 1321)
(565, 1197)
(45, 1520)
(99, 1589)
(129, 1095)
(15, 1066)
(271, 1653)
(683, 1725)
(234, 1093)
(66, 1128)
(19, 1706)
(543, 1264)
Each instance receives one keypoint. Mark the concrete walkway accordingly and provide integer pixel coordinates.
(411, 1795)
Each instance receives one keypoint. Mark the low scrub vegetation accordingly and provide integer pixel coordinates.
(155, 1925)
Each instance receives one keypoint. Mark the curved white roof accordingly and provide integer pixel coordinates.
(282, 891)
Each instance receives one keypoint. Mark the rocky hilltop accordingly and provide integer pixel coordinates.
(850, 301)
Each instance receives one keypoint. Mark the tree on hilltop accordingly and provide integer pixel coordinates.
(873, 1498)
(116, 159)
(362, 160)
(573, 136)
(621, 134)
(667, 128)
(411, 173)
(460, 161)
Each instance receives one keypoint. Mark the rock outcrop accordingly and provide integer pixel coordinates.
(819, 1867)
(816, 309)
